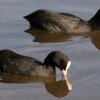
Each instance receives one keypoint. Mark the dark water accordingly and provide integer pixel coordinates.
(83, 51)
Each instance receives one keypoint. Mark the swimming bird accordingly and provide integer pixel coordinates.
(55, 22)
(11, 62)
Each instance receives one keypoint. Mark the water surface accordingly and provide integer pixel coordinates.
(83, 51)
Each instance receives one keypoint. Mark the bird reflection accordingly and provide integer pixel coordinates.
(58, 89)
(95, 38)
(44, 37)
(11, 78)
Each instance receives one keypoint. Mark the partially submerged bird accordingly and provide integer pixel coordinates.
(11, 62)
(62, 22)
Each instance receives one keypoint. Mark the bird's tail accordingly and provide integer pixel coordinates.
(95, 20)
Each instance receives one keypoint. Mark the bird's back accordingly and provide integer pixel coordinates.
(14, 63)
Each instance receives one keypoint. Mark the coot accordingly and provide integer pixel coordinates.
(11, 62)
(55, 22)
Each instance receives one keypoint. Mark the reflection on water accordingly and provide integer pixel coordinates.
(44, 37)
(95, 38)
(10, 78)
(59, 88)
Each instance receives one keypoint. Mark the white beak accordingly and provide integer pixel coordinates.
(64, 72)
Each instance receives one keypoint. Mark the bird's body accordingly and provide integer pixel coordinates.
(56, 22)
(11, 62)
(61, 22)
